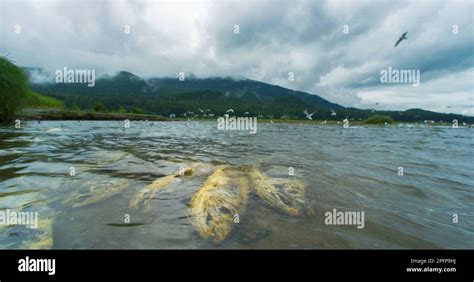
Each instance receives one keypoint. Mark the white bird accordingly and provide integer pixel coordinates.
(308, 115)
(230, 111)
(333, 113)
(246, 113)
(345, 122)
(201, 110)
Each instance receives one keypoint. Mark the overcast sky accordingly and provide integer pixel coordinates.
(275, 38)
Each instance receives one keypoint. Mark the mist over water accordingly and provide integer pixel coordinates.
(348, 169)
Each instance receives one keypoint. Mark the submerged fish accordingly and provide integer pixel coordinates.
(284, 194)
(224, 196)
(146, 194)
(214, 206)
(97, 191)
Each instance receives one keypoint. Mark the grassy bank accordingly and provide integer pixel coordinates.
(63, 114)
(37, 101)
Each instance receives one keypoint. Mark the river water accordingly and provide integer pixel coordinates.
(348, 169)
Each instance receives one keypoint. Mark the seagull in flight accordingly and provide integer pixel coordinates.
(308, 115)
(333, 113)
(404, 36)
(230, 111)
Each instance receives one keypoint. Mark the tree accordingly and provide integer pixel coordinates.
(99, 107)
(14, 89)
(137, 110)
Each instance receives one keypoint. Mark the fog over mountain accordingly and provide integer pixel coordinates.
(275, 38)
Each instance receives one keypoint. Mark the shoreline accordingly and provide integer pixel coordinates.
(32, 114)
(58, 114)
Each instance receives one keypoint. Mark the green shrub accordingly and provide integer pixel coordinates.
(139, 111)
(99, 107)
(122, 110)
(377, 119)
(75, 107)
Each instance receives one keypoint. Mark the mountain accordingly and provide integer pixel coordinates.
(213, 95)
(125, 83)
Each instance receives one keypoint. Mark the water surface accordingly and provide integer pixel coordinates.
(353, 169)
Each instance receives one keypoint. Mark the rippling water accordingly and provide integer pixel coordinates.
(353, 169)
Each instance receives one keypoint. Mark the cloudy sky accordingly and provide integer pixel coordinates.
(275, 38)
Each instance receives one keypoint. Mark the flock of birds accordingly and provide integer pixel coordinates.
(305, 112)
(204, 113)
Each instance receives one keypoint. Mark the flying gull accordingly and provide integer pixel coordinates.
(308, 115)
(404, 36)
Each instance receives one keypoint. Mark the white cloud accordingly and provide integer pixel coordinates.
(276, 37)
(450, 93)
